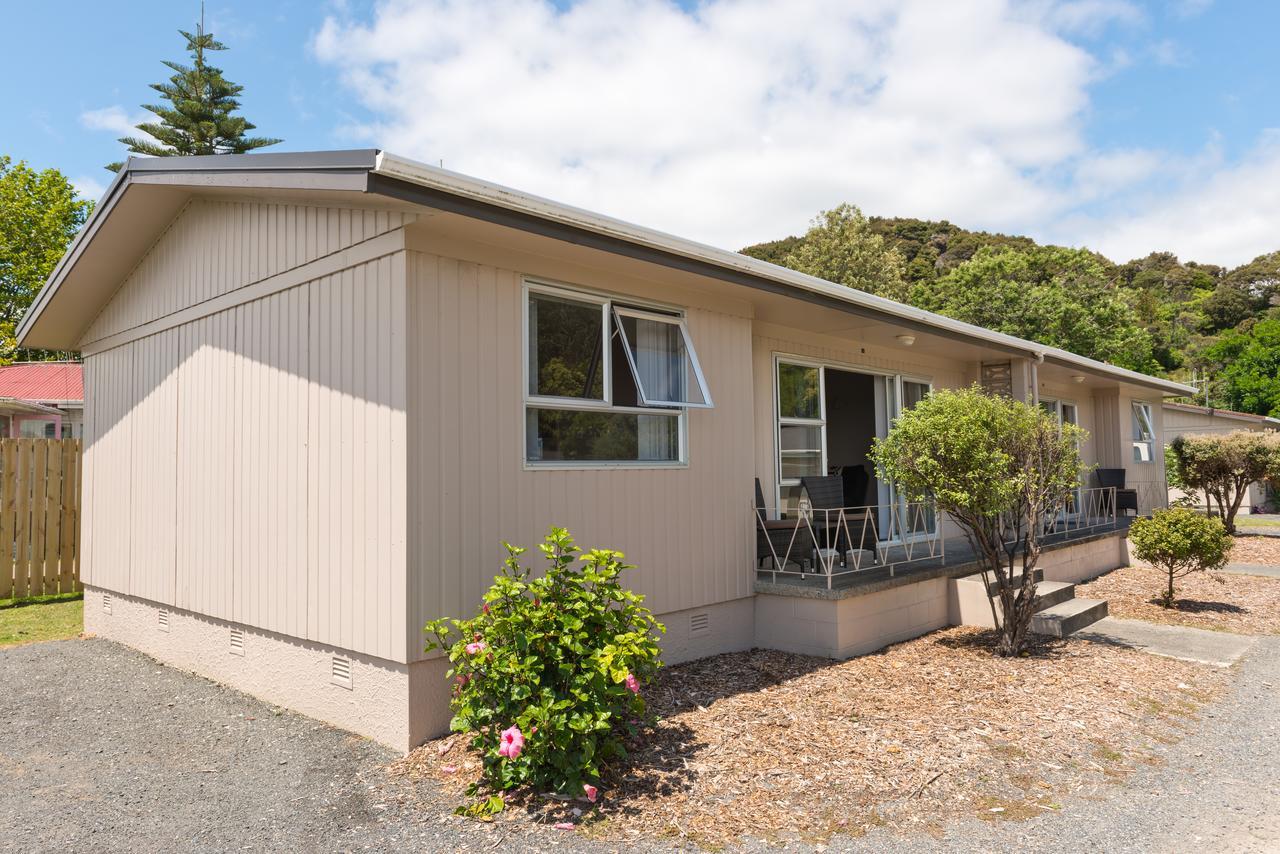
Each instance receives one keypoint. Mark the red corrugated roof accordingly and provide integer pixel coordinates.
(42, 381)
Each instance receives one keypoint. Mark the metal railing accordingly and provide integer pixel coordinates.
(828, 543)
(1086, 510)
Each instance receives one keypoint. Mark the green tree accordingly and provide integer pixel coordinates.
(1060, 297)
(1247, 367)
(1226, 307)
(39, 215)
(841, 247)
(1178, 541)
(1260, 279)
(199, 118)
(1225, 466)
(999, 468)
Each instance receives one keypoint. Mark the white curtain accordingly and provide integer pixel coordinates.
(660, 360)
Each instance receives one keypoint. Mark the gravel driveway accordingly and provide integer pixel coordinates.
(103, 749)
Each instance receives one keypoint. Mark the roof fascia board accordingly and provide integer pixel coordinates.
(78, 244)
(444, 200)
(430, 186)
(342, 170)
(1230, 414)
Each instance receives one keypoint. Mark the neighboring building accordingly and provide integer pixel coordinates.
(1186, 419)
(42, 400)
(322, 390)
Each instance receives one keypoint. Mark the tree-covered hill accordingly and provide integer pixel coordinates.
(1180, 319)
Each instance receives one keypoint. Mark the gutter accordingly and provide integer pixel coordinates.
(577, 225)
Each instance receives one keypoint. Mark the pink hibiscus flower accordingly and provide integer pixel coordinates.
(477, 646)
(633, 683)
(591, 791)
(512, 742)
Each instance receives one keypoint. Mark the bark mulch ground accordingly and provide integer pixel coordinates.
(777, 746)
(1263, 550)
(1245, 604)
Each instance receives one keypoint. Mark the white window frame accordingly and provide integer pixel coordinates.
(779, 421)
(677, 321)
(550, 402)
(1134, 406)
(821, 422)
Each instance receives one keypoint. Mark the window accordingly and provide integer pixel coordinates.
(606, 382)
(1143, 434)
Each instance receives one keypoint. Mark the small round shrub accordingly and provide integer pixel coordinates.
(1179, 541)
(549, 675)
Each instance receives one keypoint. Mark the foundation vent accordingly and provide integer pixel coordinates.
(341, 673)
(162, 620)
(106, 603)
(699, 623)
(237, 641)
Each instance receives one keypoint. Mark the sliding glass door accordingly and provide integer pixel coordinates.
(827, 417)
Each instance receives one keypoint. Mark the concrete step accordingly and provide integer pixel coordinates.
(1052, 593)
(1069, 616)
(993, 587)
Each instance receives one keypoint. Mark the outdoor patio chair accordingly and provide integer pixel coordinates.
(782, 537)
(1126, 499)
(827, 493)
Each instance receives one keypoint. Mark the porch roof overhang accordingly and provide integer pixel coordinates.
(15, 406)
(127, 221)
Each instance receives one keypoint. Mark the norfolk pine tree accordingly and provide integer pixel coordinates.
(199, 118)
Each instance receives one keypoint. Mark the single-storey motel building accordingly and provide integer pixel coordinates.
(321, 389)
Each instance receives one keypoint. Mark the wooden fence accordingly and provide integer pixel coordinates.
(39, 516)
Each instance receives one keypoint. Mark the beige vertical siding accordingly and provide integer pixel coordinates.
(108, 483)
(214, 247)
(250, 464)
(688, 529)
(357, 462)
(206, 470)
(153, 473)
(268, 422)
(1110, 433)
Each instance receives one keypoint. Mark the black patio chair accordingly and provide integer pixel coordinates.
(782, 537)
(1126, 499)
(827, 494)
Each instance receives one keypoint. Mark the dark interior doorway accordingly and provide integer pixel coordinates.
(851, 425)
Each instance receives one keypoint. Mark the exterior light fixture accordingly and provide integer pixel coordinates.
(906, 340)
(1077, 378)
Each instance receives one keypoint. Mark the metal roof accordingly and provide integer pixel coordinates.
(46, 382)
(1222, 413)
(382, 173)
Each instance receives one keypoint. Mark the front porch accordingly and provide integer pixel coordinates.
(837, 552)
(848, 613)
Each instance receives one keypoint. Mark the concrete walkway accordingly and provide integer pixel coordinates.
(1251, 569)
(1221, 649)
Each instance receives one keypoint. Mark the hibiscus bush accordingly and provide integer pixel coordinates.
(549, 676)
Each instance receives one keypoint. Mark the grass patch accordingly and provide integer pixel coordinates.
(47, 618)
(1246, 522)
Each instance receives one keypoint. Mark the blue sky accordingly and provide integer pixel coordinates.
(1121, 125)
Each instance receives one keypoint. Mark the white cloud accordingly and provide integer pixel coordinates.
(739, 120)
(736, 122)
(1220, 213)
(1090, 16)
(89, 187)
(113, 118)
(1191, 8)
